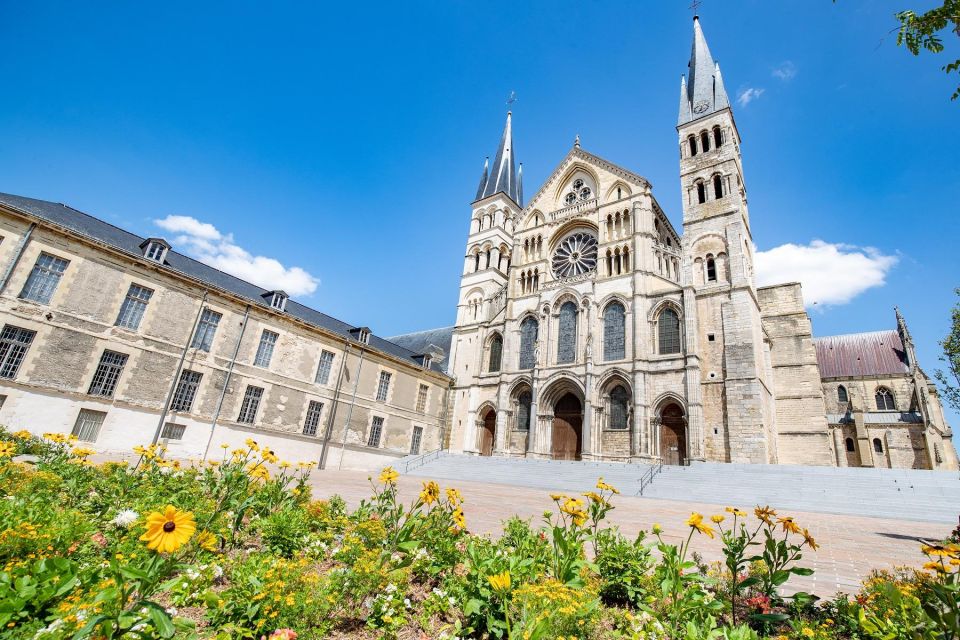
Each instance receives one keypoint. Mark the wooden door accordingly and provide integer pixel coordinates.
(487, 434)
(567, 428)
(673, 436)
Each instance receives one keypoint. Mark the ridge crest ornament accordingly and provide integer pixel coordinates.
(576, 255)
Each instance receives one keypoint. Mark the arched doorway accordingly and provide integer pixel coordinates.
(567, 428)
(487, 432)
(673, 435)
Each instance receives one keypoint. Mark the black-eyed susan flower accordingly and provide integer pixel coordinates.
(454, 497)
(603, 486)
(389, 475)
(458, 518)
(789, 524)
(207, 541)
(7, 449)
(809, 540)
(500, 582)
(766, 514)
(695, 521)
(169, 530)
(430, 492)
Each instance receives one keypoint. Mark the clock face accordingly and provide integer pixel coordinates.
(576, 255)
(701, 106)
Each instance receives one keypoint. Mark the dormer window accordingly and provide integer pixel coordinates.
(155, 249)
(276, 299)
(425, 359)
(362, 334)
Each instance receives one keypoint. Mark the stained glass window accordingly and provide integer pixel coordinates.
(614, 332)
(496, 352)
(668, 331)
(524, 401)
(619, 408)
(567, 338)
(528, 339)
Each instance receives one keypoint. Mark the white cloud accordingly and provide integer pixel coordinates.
(831, 274)
(207, 244)
(748, 95)
(786, 71)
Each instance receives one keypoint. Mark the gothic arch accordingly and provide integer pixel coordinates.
(516, 387)
(567, 229)
(568, 176)
(613, 297)
(667, 398)
(612, 377)
(557, 386)
(625, 191)
(567, 295)
(486, 406)
(661, 305)
(534, 219)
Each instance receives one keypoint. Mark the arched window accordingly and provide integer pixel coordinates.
(476, 262)
(496, 352)
(877, 445)
(850, 446)
(842, 394)
(884, 400)
(567, 336)
(701, 194)
(619, 412)
(614, 332)
(692, 141)
(705, 141)
(528, 338)
(523, 410)
(717, 186)
(717, 137)
(668, 331)
(609, 262)
(711, 269)
(626, 259)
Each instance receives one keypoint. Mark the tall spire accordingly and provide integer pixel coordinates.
(705, 93)
(502, 177)
(520, 185)
(484, 178)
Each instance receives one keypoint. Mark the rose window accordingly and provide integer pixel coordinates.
(578, 191)
(576, 255)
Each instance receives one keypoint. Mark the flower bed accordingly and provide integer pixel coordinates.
(235, 548)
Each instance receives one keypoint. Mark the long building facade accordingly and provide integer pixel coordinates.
(121, 340)
(589, 328)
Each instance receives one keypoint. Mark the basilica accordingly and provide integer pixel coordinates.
(589, 328)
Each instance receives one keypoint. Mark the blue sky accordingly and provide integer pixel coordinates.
(337, 146)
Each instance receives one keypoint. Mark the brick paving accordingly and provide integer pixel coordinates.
(850, 545)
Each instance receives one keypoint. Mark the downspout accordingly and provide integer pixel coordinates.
(353, 402)
(226, 383)
(333, 409)
(176, 375)
(21, 247)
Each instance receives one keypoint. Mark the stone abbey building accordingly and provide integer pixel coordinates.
(589, 328)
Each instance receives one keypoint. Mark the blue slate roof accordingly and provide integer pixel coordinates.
(704, 93)
(432, 341)
(93, 228)
(502, 178)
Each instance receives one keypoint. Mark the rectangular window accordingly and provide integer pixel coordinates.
(415, 441)
(323, 370)
(173, 431)
(268, 339)
(376, 429)
(14, 343)
(44, 278)
(313, 418)
(108, 374)
(250, 405)
(206, 329)
(87, 426)
(131, 311)
(383, 387)
(186, 390)
(422, 398)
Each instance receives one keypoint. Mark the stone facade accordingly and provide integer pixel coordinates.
(589, 328)
(313, 406)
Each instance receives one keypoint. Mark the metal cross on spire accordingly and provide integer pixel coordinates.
(512, 98)
(695, 5)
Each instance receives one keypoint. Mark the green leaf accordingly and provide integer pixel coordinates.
(802, 571)
(161, 620)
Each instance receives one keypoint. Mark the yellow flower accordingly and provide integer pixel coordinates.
(168, 531)
(389, 475)
(7, 449)
(789, 524)
(595, 497)
(269, 456)
(716, 519)
(695, 521)
(943, 551)
(809, 540)
(83, 452)
(657, 529)
(808, 632)
(59, 438)
(259, 471)
(224, 446)
(500, 582)
(934, 566)
(23, 434)
(557, 496)
(737, 513)
(454, 497)
(459, 519)
(765, 513)
(251, 444)
(208, 541)
(603, 486)
(430, 493)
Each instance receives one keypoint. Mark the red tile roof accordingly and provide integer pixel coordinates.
(861, 354)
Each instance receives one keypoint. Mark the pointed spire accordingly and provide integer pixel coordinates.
(503, 175)
(705, 93)
(484, 178)
(520, 185)
(907, 339)
(685, 115)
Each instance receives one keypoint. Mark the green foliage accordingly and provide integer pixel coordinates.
(284, 531)
(922, 31)
(623, 567)
(950, 379)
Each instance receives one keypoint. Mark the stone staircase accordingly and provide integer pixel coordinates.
(931, 496)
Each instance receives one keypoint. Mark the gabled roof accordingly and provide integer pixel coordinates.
(704, 93)
(502, 177)
(875, 353)
(103, 232)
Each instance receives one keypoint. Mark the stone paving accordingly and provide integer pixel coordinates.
(851, 545)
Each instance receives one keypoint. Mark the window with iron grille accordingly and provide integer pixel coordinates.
(422, 398)
(614, 332)
(528, 339)
(206, 330)
(567, 340)
(250, 404)
(313, 418)
(87, 426)
(14, 343)
(186, 390)
(524, 403)
(383, 387)
(415, 441)
(44, 278)
(323, 369)
(173, 431)
(376, 429)
(668, 331)
(108, 372)
(131, 311)
(268, 339)
(619, 411)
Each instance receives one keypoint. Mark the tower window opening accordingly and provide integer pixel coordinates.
(692, 141)
(717, 186)
(705, 141)
(711, 269)
(701, 195)
(717, 137)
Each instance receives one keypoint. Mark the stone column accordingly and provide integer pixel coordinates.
(495, 257)
(840, 446)
(470, 434)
